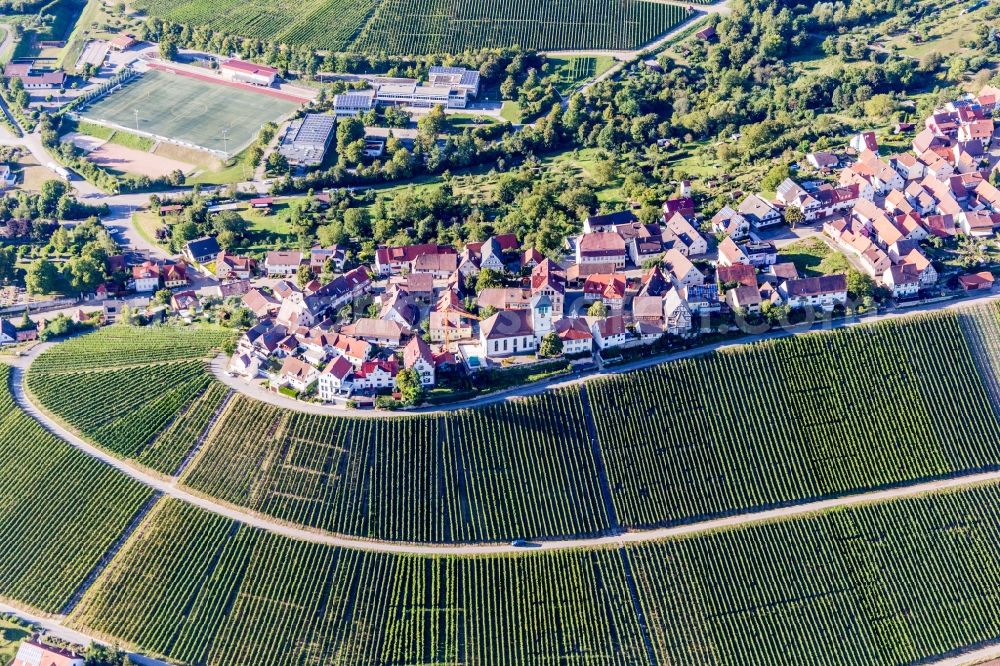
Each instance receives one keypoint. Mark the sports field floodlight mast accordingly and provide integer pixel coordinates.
(225, 142)
(136, 112)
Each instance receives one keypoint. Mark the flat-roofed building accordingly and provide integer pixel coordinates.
(307, 139)
(353, 102)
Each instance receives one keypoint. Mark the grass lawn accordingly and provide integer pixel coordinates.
(146, 223)
(235, 171)
(272, 231)
(5, 53)
(11, 636)
(573, 71)
(511, 111)
(134, 141)
(812, 256)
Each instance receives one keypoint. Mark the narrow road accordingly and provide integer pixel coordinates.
(254, 390)
(172, 489)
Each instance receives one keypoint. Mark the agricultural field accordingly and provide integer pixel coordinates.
(894, 583)
(60, 510)
(402, 27)
(515, 470)
(801, 418)
(121, 346)
(209, 115)
(148, 397)
(454, 26)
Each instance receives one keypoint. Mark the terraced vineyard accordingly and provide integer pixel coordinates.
(140, 393)
(427, 26)
(805, 417)
(895, 583)
(522, 469)
(60, 510)
(119, 346)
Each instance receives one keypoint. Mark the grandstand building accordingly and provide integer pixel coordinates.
(307, 139)
(248, 72)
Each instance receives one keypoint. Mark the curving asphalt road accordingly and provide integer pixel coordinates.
(255, 391)
(171, 488)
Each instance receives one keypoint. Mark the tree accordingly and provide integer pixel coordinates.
(794, 216)
(774, 177)
(304, 275)
(551, 345)
(277, 163)
(598, 309)
(8, 263)
(859, 285)
(168, 49)
(349, 130)
(410, 388)
(83, 274)
(42, 277)
(357, 222)
(163, 296)
(488, 279)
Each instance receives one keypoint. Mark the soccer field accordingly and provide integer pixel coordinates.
(209, 115)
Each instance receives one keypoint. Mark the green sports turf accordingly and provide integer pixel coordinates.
(190, 110)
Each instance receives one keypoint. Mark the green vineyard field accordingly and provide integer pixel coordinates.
(804, 417)
(141, 393)
(894, 583)
(404, 27)
(517, 470)
(60, 510)
(763, 426)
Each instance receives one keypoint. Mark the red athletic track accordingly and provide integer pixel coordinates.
(232, 84)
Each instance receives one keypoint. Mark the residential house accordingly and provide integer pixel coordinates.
(676, 314)
(791, 194)
(609, 332)
(233, 267)
(202, 250)
(760, 253)
(336, 379)
(681, 234)
(33, 652)
(575, 335)
(146, 277)
(506, 333)
(549, 279)
(392, 260)
(903, 280)
(438, 266)
(417, 356)
(174, 275)
(283, 263)
(296, 374)
(261, 303)
(760, 213)
(504, 298)
(185, 303)
(825, 292)
(319, 256)
(727, 221)
(384, 332)
(378, 374)
(491, 256)
(683, 272)
(354, 350)
(744, 299)
(731, 254)
(602, 247)
(608, 222)
(606, 287)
